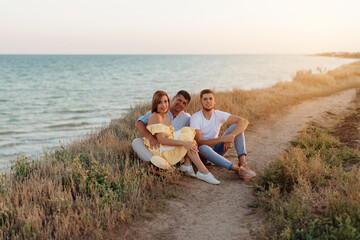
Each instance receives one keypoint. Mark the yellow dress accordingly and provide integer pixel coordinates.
(173, 154)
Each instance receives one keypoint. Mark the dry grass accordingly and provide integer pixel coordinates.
(307, 192)
(260, 103)
(95, 186)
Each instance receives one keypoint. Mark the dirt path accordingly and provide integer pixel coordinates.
(204, 211)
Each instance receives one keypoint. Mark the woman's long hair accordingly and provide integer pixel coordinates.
(156, 100)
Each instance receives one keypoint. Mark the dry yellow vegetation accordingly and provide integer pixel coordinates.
(93, 187)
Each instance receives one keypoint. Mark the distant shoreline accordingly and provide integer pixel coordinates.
(339, 54)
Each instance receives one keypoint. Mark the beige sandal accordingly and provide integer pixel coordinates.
(245, 174)
(247, 168)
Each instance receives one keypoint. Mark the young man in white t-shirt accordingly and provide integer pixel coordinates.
(207, 123)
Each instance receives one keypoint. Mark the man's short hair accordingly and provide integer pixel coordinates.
(185, 94)
(205, 91)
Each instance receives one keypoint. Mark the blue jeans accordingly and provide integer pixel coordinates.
(215, 154)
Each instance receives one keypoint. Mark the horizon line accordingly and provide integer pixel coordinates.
(156, 54)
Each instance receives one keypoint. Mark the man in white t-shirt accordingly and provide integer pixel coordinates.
(207, 123)
(178, 118)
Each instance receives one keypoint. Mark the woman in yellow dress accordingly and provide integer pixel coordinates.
(173, 145)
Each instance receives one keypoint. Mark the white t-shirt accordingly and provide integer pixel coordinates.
(209, 128)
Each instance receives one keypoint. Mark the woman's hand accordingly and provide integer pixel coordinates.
(190, 146)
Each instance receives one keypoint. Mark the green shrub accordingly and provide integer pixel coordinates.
(307, 192)
(22, 166)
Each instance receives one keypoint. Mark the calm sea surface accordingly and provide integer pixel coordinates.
(45, 99)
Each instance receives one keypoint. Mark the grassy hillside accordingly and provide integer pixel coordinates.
(313, 190)
(95, 186)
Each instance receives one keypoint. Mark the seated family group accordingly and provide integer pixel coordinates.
(171, 135)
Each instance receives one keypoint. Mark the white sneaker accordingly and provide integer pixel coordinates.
(207, 178)
(188, 170)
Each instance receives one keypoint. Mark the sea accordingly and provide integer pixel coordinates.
(48, 100)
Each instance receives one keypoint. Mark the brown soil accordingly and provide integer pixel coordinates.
(228, 210)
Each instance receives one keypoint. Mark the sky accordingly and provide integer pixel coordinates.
(178, 27)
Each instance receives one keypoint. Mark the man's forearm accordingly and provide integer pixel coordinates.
(209, 142)
(240, 127)
(140, 126)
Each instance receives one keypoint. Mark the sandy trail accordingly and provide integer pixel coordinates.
(204, 211)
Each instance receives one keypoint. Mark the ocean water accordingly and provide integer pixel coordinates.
(45, 99)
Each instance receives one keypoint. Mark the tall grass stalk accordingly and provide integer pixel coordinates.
(95, 186)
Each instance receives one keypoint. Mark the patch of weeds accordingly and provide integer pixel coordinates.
(28, 231)
(171, 195)
(308, 194)
(63, 155)
(22, 166)
(314, 141)
(5, 216)
(88, 177)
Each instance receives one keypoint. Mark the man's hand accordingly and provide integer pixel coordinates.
(228, 138)
(228, 145)
(140, 126)
(154, 143)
